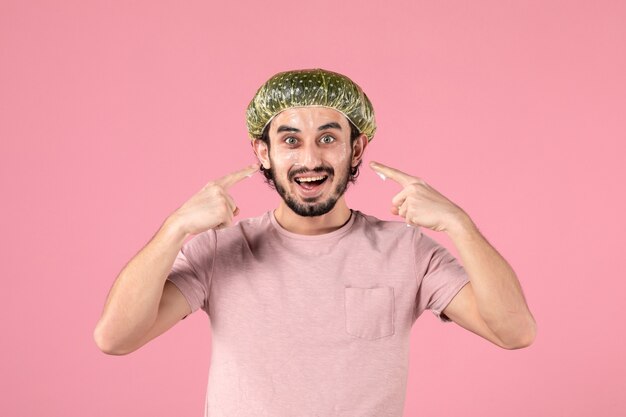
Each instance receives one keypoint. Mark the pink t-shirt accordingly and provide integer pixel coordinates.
(313, 325)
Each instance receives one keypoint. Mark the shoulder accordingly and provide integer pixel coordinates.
(260, 220)
(373, 223)
(241, 229)
(244, 230)
(392, 232)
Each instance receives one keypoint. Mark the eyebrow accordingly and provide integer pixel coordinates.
(331, 125)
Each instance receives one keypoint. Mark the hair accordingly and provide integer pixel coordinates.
(354, 171)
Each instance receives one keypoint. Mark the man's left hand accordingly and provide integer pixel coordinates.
(419, 203)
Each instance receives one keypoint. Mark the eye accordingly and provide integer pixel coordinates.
(332, 139)
(293, 140)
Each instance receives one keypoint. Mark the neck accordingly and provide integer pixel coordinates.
(317, 225)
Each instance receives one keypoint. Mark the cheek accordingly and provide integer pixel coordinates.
(291, 156)
(343, 155)
(282, 162)
(339, 158)
(286, 158)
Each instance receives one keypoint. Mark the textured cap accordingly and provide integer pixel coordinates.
(310, 87)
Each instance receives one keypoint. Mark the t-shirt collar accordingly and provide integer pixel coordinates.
(330, 235)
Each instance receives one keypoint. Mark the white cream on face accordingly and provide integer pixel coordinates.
(307, 120)
(310, 149)
(343, 154)
(292, 156)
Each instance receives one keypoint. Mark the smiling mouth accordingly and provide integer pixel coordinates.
(311, 183)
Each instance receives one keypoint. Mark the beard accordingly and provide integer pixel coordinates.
(310, 207)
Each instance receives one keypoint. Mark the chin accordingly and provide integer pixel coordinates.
(318, 206)
(310, 209)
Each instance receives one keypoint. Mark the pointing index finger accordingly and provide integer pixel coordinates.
(402, 178)
(231, 179)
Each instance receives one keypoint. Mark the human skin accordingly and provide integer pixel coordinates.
(141, 303)
(292, 153)
(492, 304)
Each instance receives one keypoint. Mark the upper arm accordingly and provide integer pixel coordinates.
(463, 310)
(173, 307)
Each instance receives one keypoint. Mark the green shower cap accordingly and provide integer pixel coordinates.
(310, 87)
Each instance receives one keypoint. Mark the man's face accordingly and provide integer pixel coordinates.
(310, 158)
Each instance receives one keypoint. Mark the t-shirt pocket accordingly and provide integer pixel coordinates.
(369, 312)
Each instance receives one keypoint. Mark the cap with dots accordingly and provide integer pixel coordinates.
(310, 87)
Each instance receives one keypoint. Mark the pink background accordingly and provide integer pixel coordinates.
(112, 114)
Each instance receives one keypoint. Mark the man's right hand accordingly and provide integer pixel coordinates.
(212, 207)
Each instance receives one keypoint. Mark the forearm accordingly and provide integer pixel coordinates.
(498, 293)
(133, 301)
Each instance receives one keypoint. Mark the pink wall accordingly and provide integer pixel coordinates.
(112, 115)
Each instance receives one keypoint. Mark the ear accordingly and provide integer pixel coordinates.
(358, 149)
(262, 152)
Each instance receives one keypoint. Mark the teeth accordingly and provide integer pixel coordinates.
(309, 179)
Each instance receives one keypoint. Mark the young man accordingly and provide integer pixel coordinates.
(311, 304)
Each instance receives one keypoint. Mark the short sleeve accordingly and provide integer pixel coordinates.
(193, 268)
(440, 276)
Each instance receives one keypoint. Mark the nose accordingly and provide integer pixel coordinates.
(311, 156)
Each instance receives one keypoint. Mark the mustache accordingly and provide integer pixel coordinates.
(317, 170)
